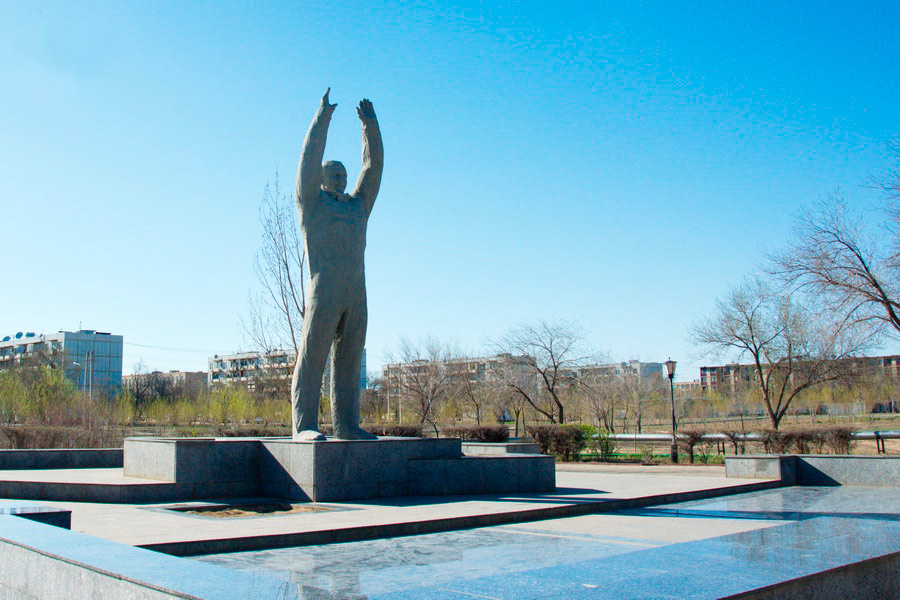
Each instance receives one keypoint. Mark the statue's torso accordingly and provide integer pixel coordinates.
(334, 232)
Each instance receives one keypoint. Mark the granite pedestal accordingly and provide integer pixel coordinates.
(334, 470)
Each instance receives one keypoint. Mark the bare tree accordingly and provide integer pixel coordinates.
(141, 384)
(275, 313)
(601, 394)
(790, 348)
(423, 377)
(628, 393)
(508, 400)
(473, 387)
(372, 400)
(640, 395)
(852, 268)
(543, 357)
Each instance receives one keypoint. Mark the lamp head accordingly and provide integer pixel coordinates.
(670, 368)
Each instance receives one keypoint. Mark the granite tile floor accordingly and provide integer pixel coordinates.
(143, 525)
(703, 549)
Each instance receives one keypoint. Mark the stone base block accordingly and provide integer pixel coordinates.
(494, 448)
(346, 469)
(230, 464)
(335, 470)
(813, 469)
(502, 474)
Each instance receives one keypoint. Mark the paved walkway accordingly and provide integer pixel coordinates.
(581, 489)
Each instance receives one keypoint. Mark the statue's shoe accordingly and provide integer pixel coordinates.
(353, 433)
(309, 435)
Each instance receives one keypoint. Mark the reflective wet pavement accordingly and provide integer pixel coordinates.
(702, 549)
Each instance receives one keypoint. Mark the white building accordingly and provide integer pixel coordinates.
(253, 369)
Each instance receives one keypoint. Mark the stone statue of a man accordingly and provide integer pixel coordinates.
(334, 231)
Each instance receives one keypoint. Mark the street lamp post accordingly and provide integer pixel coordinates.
(670, 371)
(74, 364)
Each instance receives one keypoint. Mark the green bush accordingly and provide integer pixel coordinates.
(395, 430)
(54, 436)
(706, 451)
(564, 441)
(380, 429)
(737, 440)
(480, 433)
(688, 440)
(604, 445)
(271, 431)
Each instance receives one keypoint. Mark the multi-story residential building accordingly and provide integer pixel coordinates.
(255, 369)
(191, 383)
(634, 368)
(725, 378)
(92, 360)
(479, 369)
(687, 388)
(733, 377)
(488, 368)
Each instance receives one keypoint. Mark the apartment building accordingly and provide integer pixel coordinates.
(191, 383)
(484, 369)
(478, 369)
(733, 377)
(91, 359)
(634, 368)
(255, 369)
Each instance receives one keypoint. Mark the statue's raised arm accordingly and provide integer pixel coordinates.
(372, 156)
(309, 174)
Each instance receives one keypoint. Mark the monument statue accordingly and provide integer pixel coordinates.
(333, 225)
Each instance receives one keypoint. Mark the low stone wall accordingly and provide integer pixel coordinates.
(494, 448)
(51, 515)
(38, 562)
(873, 578)
(92, 458)
(848, 470)
(509, 474)
(815, 469)
(761, 467)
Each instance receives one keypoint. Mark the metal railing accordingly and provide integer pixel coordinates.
(878, 436)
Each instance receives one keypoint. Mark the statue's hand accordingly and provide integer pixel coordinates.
(326, 107)
(365, 110)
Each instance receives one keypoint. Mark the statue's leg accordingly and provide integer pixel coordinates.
(306, 386)
(345, 374)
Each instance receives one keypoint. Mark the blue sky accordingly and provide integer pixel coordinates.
(616, 163)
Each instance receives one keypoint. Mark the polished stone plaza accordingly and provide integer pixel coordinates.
(607, 531)
(703, 549)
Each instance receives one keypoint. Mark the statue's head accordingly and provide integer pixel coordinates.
(334, 177)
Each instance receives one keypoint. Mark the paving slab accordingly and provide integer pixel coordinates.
(581, 489)
(784, 543)
(632, 531)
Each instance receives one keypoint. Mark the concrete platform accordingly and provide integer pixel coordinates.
(621, 537)
(817, 469)
(580, 491)
(332, 470)
(797, 542)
